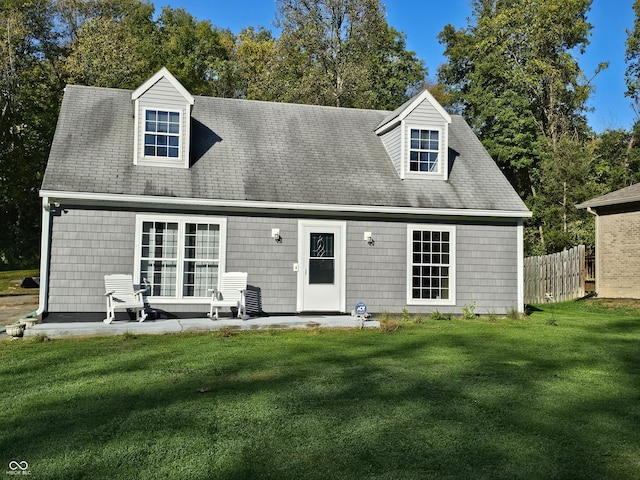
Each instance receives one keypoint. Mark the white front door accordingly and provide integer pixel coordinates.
(321, 276)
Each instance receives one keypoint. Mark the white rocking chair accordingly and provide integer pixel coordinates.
(120, 295)
(233, 286)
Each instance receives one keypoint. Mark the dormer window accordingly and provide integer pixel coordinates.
(416, 137)
(162, 122)
(162, 134)
(423, 151)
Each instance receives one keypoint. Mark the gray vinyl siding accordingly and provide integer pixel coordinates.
(250, 248)
(88, 244)
(486, 268)
(392, 141)
(427, 114)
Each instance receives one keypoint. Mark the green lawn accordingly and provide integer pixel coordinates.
(552, 396)
(10, 280)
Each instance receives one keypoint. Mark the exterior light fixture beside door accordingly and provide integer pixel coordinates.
(368, 237)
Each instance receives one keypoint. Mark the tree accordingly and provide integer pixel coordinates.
(198, 54)
(29, 96)
(632, 59)
(342, 53)
(110, 42)
(513, 75)
(252, 52)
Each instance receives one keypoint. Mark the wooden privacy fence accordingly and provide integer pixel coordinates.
(557, 277)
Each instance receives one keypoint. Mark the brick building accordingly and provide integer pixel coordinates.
(617, 242)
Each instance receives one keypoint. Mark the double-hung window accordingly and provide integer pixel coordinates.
(431, 264)
(180, 257)
(161, 134)
(424, 149)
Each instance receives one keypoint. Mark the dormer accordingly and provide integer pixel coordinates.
(162, 112)
(416, 136)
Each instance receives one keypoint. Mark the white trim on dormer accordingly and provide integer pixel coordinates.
(162, 93)
(162, 73)
(402, 115)
(443, 151)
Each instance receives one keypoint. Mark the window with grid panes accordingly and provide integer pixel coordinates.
(432, 264)
(424, 149)
(162, 134)
(180, 258)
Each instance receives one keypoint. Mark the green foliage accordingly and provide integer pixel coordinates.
(30, 91)
(514, 314)
(390, 324)
(632, 58)
(512, 74)
(342, 53)
(437, 316)
(10, 280)
(329, 52)
(469, 311)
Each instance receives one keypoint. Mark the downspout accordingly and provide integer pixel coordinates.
(45, 251)
(596, 235)
(520, 254)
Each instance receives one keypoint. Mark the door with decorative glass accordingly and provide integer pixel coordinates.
(322, 266)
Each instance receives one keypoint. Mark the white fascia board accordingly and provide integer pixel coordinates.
(109, 199)
(163, 72)
(425, 95)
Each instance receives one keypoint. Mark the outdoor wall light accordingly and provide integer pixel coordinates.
(275, 234)
(368, 237)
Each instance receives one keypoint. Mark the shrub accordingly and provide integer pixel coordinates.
(440, 316)
(390, 324)
(469, 311)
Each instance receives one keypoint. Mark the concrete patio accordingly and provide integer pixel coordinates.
(160, 327)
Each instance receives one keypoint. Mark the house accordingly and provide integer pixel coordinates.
(617, 216)
(324, 207)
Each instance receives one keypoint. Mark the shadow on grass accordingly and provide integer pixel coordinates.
(351, 405)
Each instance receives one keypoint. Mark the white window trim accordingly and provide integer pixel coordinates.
(452, 264)
(181, 220)
(139, 158)
(443, 146)
(179, 134)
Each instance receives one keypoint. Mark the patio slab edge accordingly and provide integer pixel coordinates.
(161, 327)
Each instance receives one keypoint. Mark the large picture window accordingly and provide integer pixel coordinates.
(180, 258)
(431, 264)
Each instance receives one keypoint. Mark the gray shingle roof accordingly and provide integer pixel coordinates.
(263, 151)
(629, 194)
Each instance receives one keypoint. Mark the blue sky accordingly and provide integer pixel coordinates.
(422, 20)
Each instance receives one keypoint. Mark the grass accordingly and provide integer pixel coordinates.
(10, 280)
(526, 398)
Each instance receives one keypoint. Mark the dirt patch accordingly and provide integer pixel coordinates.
(613, 303)
(14, 307)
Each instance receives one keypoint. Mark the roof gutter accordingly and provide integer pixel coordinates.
(110, 199)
